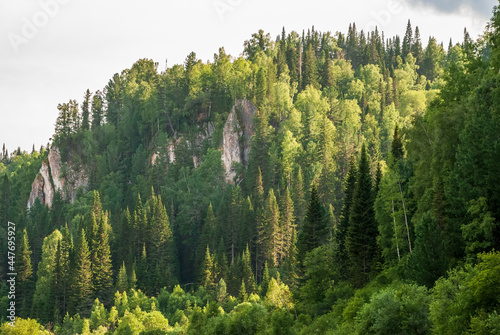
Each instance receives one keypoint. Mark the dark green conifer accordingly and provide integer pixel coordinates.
(361, 239)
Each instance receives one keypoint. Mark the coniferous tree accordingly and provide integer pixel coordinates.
(97, 110)
(327, 77)
(416, 47)
(407, 41)
(298, 197)
(102, 271)
(207, 237)
(243, 296)
(43, 298)
(4, 209)
(207, 272)
(265, 280)
(310, 69)
(122, 284)
(246, 271)
(25, 276)
(81, 290)
(287, 224)
(86, 110)
(361, 239)
(62, 275)
(313, 230)
(397, 145)
(161, 252)
(272, 233)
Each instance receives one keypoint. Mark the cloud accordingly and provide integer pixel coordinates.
(483, 8)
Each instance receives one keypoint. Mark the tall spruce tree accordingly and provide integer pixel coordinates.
(207, 272)
(25, 276)
(313, 231)
(86, 110)
(361, 239)
(102, 270)
(62, 274)
(81, 289)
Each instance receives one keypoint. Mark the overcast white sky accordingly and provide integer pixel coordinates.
(53, 50)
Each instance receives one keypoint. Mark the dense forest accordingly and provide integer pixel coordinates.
(364, 197)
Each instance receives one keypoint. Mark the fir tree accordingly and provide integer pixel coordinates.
(221, 291)
(310, 69)
(265, 280)
(299, 197)
(243, 296)
(207, 279)
(86, 110)
(313, 230)
(272, 234)
(62, 272)
(287, 224)
(407, 41)
(361, 239)
(25, 276)
(246, 271)
(122, 280)
(102, 271)
(397, 145)
(82, 279)
(207, 237)
(97, 110)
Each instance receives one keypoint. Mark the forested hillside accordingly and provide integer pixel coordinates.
(318, 184)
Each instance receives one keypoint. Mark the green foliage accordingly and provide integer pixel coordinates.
(23, 326)
(426, 118)
(361, 235)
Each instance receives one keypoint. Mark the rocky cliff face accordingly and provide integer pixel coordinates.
(237, 133)
(50, 179)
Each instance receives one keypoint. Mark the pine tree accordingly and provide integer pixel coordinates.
(287, 224)
(265, 280)
(407, 41)
(161, 247)
(82, 279)
(327, 77)
(310, 69)
(397, 146)
(246, 271)
(416, 47)
(272, 235)
(313, 230)
(124, 238)
(122, 284)
(243, 296)
(207, 273)
(221, 292)
(299, 197)
(378, 180)
(86, 110)
(62, 275)
(207, 237)
(4, 209)
(97, 110)
(361, 239)
(25, 276)
(102, 271)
